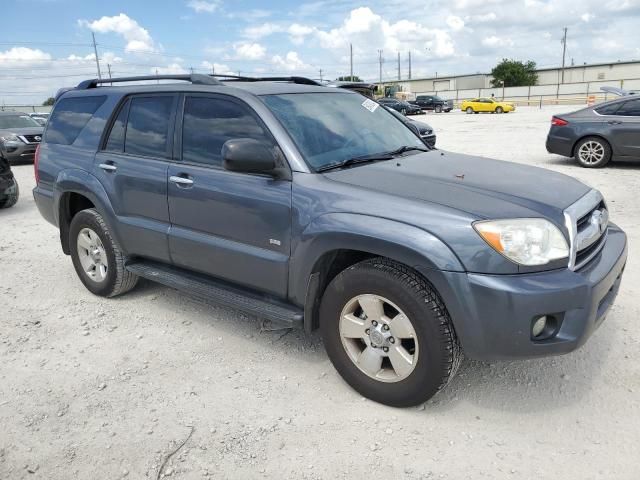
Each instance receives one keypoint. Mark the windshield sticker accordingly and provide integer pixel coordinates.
(370, 105)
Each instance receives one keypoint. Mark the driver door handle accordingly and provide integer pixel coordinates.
(181, 181)
(614, 122)
(108, 167)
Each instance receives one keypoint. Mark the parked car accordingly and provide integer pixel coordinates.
(40, 120)
(596, 135)
(19, 136)
(363, 88)
(478, 105)
(9, 191)
(425, 131)
(313, 207)
(433, 102)
(405, 108)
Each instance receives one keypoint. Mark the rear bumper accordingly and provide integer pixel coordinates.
(493, 314)
(44, 202)
(559, 145)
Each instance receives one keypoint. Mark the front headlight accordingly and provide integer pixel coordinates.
(9, 138)
(526, 241)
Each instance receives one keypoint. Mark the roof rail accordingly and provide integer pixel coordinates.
(194, 78)
(294, 79)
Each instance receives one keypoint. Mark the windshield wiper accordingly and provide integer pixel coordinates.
(375, 157)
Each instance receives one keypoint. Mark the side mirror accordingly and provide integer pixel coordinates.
(249, 156)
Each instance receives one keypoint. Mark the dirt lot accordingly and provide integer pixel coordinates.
(105, 389)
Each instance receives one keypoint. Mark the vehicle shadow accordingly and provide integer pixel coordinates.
(612, 165)
(519, 386)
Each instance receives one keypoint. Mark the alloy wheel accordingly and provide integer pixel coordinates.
(378, 338)
(591, 152)
(92, 255)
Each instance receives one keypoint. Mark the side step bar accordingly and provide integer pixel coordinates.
(219, 292)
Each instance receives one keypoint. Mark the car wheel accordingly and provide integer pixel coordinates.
(499, 110)
(11, 197)
(438, 108)
(96, 256)
(593, 152)
(469, 110)
(388, 333)
(403, 111)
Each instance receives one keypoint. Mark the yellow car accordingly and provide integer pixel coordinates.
(478, 105)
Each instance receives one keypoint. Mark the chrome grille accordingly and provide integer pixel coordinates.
(587, 221)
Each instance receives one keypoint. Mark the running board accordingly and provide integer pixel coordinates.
(208, 289)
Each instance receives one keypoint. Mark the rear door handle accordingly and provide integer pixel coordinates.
(108, 167)
(181, 181)
(614, 122)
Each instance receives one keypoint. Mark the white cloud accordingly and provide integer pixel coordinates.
(481, 18)
(291, 62)
(297, 33)
(249, 51)
(200, 6)
(171, 69)
(256, 32)
(219, 68)
(455, 23)
(366, 29)
(587, 17)
(137, 37)
(494, 42)
(25, 56)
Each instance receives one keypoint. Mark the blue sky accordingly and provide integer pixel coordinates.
(49, 46)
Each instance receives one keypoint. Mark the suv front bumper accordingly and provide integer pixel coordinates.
(19, 151)
(493, 314)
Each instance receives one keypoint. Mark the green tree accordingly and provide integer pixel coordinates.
(349, 78)
(48, 102)
(514, 73)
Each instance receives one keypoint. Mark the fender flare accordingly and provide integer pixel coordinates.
(378, 236)
(83, 183)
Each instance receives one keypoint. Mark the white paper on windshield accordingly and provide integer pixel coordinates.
(370, 105)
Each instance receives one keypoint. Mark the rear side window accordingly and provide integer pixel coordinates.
(610, 109)
(148, 126)
(69, 118)
(115, 143)
(209, 122)
(630, 109)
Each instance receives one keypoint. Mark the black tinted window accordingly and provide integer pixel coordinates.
(69, 118)
(115, 143)
(630, 109)
(610, 109)
(148, 126)
(209, 122)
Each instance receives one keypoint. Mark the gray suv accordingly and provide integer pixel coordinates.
(314, 207)
(19, 136)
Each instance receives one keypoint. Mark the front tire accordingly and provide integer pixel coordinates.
(96, 256)
(593, 152)
(12, 198)
(469, 110)
(388, 333)
(499, 110)
(438, 108)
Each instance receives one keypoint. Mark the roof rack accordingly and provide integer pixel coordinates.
(195, 78)
(294, 79)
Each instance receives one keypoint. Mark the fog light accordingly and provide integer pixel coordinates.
(538, 326)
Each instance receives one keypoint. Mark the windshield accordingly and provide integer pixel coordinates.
(329, 128)
(17, 121)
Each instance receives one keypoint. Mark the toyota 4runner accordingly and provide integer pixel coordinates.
(314, 207)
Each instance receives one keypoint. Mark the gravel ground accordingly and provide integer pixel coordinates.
(105, 389)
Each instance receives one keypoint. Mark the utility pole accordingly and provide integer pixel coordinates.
(380, 61)
(409, 64)
(320, 75)
(95, 51)
(399, 66)
(109, 70)
(213, 69)
(564, 51)
(158, 81)
(190, 69)
(351, 60)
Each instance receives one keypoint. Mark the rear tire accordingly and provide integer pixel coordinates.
(593, 152)
(422, 350)
(404, 112)
(499, 110)
(12, 198)
(96, 256)
(438, 108)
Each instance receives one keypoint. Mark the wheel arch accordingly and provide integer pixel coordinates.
(76, 190)
(336, 241)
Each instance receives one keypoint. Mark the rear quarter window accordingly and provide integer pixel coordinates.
(70, 116)
(608, 109)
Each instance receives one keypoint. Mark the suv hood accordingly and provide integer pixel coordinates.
(23, 131)
(483, 187)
